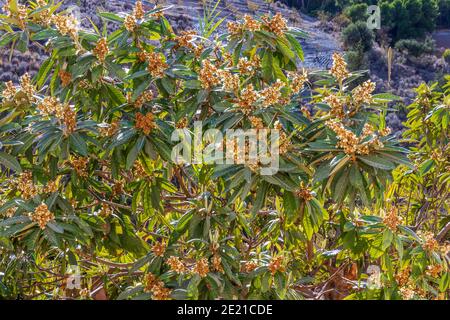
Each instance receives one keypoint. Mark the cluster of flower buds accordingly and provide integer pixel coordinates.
(66, 25)
(159, 248)
(156, 287)
(185, 38)
(42, 215)
(362, 94)
(339, 68)
(249, 266)
(430, 244)
(304, 193)
(146, 123)
(276, 264)
(65, 77)
(277, 24)
(143, 98)
(19, 14)
(101, 49)
(247, 99)
(392, 220)
(201, 267)
(108, 130)
(350, 143)
(26, 186)
(176, 265)
(156, 64)
(22, 95)
(248, 67)
(271, 95)
(79, 164)
(209, 75)
(298, 80)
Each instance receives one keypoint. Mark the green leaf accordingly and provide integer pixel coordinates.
(296, 46)
(377, 162)
(134, 152)
(78, 144)
(111, 17)
(10, 162)
(388, 236)
(444, 283)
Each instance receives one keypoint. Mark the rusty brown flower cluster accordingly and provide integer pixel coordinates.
(156, 64)
(138, 10)
(146, 123)
(216, 262)
(26, 86)
(251, 24)
(434, 270)
(182, 123)
(337, 106)
(19, 14)
(304, 193)
(277, 24)
(50, 187)
(256, 122)
(249, 266)
(156, 287)
(298, 80)
(176, 265)
(24, 94)
(143, 98)
(247, 99)
(209, 75)
(109, 129)
(362, 94)
(26, 186)
(276, 264)
(185, 38)
(350, 143)
(339, 68)
(402, 277)
(69, 119)
(66, 25)
(271, 95)
(79, 164)
(65, 77)
(284, 142)
(42, 215)
(201, 267)
(105, 211)
(430, 244)
(392, 220)
(248, 67)
(101, 49)
(130, 23)
(159, 248)
(230, 81)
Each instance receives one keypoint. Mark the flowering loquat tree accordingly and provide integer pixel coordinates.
(88, 179)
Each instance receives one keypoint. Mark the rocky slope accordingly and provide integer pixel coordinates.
(183, 14)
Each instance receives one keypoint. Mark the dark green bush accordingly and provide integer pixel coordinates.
(415, 47)
(357, 12)
(358, 36)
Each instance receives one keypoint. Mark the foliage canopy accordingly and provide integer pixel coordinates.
(88, 179)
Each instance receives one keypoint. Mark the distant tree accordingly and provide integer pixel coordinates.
(357, 12)
(443, 19)
(409, 18)
(358, 36)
